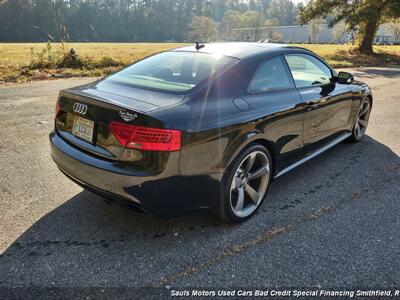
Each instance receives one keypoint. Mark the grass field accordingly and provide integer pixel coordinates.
(27, 61)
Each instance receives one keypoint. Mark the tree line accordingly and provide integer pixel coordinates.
(187, 20)
(137, 20)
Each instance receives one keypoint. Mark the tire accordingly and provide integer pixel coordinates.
(361, 123)
(243, 189)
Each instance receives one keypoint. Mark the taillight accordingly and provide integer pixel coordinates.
(58, 108)
(146, 138)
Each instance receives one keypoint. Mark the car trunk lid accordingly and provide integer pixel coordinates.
(85, 115)
(127, 96)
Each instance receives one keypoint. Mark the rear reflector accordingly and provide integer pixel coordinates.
(58, 108)
(146, 138)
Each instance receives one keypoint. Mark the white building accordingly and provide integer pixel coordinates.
(303, 34)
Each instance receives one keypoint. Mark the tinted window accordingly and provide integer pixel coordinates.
(172, 71)
(307, 70)
(271, 75)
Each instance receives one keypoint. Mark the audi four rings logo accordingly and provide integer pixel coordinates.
(80, 108)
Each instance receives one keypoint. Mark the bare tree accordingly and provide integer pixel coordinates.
(253, 21)
(314, 29)
(270, 31)
(202, 29)
(229, 23)
(339, 32)
(394, 28)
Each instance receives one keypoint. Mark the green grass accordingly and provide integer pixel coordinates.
(34, 61)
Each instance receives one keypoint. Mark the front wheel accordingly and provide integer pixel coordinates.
(245, 184)
(362, 121)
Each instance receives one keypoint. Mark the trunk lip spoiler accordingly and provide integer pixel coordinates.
(69, 93)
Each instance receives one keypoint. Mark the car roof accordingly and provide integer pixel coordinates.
(240, 50)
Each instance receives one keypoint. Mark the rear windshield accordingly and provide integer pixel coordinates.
(175, 72)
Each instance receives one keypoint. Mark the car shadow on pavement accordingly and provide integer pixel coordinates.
(88, 242)
(377, 72)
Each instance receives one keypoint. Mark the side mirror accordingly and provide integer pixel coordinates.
(344, 78)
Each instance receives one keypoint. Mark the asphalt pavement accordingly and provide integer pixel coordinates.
(332, 222)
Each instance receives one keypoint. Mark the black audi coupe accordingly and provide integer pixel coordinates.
(205, 126)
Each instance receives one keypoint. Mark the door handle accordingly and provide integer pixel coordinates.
(311, 106)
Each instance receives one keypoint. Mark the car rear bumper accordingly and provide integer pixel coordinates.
(164, 194)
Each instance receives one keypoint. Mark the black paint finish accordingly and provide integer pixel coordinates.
(217, 119)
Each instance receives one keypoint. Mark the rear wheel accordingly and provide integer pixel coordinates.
(245, 184)
(362, 121)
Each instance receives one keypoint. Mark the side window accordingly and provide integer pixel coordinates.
(271, 75)
(307, 70)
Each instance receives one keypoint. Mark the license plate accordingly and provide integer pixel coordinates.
(83, 128)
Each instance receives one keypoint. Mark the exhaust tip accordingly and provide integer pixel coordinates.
(131, 207)
(135, 209)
